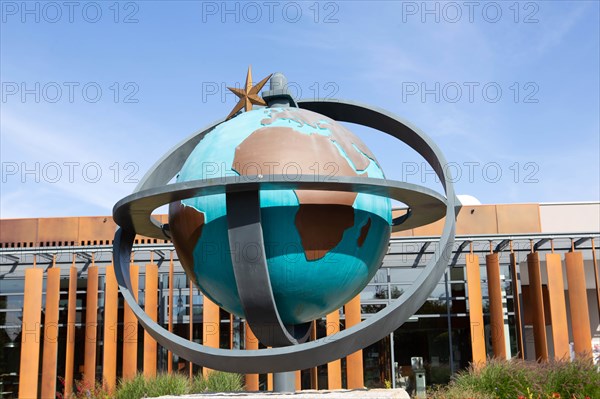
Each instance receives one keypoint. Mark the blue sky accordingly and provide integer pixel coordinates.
(93, 93)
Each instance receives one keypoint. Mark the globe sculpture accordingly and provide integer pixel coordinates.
(322, 247)
(280, 215)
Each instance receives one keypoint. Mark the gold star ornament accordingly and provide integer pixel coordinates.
(248, 95)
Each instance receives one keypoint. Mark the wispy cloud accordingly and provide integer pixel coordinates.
(560, 26)
(56, 172)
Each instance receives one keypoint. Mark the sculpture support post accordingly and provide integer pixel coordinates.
(284, 382)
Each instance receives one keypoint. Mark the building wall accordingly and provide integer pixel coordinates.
(573, 217)
(99, 230)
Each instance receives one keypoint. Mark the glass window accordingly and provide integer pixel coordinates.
(433, 307)
(380, 276)
(10, 353)
(377, 364)
(374, 308)
(457, 289)
(439, 292)
(12, 286)
(457, 273)
(396, 291)
(429, 338)
(373, 292)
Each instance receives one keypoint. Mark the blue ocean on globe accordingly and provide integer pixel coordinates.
(305, 287)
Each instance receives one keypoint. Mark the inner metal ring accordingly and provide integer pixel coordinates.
(134, 211)
(244, 230)
(326, 349)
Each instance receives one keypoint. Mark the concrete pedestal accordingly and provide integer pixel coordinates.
(308, 394)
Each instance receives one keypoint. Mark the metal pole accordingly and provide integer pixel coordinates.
(191, 326)
(596, 275)
(515, 278)
(449, 319)
(284, 382)
(393, 360)
(505, 317)
(170, 322)
(392, 355)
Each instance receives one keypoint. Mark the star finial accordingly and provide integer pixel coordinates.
(249, 94)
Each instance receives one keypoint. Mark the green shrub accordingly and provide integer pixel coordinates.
(454, 392)
(217, 381)
(177, 384)
(163, 384)
(132, 389)
(198, 384)
(515, 379)
(167, 384)
(577, 379)
(501, 379)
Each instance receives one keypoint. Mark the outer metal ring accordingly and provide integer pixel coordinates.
(245, 231)
(322, 350)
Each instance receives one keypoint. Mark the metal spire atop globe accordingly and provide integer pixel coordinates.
(273, 240)
(278, 94)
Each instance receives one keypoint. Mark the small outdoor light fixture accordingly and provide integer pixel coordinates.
(419, 370)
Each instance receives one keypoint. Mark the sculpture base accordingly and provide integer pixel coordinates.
(307, 394)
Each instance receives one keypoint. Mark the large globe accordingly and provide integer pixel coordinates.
(322, 248)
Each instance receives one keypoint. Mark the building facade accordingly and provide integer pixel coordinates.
(522, 281)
